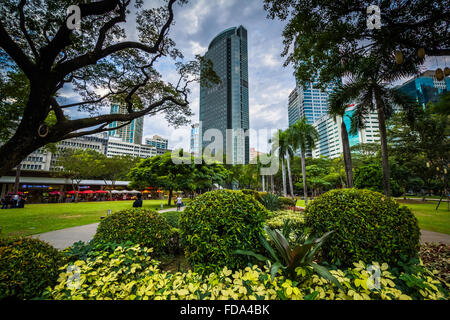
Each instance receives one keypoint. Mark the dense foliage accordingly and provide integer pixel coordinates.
(279, 218)
(172, 217)
(271, 201)
(215, 224)
(27, 267)
(131, 274)
(368, 226)
(139, 226)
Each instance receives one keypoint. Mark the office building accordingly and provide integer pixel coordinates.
(329, 143)
(226, 105)
(426, 88)
(157, 142)
(131, 133)
(195, 139)
(117, 147)
(308, 102)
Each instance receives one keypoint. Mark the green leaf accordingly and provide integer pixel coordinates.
(324, 273)
(251, 253)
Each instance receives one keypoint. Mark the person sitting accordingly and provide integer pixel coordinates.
(138, 202)
(21, 203)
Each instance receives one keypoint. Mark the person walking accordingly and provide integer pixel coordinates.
(179, 202)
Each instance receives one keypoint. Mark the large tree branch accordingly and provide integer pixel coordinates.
(92, 57)
(24, 30)
(102, 128)
(16, 53)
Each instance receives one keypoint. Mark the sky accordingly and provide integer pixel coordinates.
(196, 24)
(270, 83)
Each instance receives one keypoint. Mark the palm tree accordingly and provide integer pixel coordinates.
(304, 136)
(338, 102)
(282, 151)
(369, 87)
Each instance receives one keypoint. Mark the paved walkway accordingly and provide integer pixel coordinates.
(64, 238)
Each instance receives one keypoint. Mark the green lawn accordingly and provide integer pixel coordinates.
(39, 218)
(428, 217)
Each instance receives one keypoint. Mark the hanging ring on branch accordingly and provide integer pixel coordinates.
(43, 130)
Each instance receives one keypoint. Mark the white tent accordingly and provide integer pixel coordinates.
(133, 191)
(116, 191)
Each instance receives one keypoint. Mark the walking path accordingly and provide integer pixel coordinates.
(64, 238)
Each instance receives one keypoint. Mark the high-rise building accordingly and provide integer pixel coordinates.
(158, 142)
(226, 105)
(131, 133)
(308, 102)
(195, 139)
(329, 143)
(426, 88)
(118, 147)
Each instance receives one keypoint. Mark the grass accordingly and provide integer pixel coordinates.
(428, 217)
(39, 218)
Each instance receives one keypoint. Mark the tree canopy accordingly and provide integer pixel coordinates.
(101, 61)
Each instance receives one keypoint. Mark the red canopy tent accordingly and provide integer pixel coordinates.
(101, 191)
(73, 192)
(56, 192)
(12, 193)
(87, 192)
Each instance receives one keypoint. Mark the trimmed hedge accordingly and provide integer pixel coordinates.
(27, 267)
(139, 226)
(253, 193)
(172, 217)
(277, 220)
(367, 226)
(218, 222)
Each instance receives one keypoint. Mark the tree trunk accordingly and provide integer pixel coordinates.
(283, 171)
(169, 201)
(347, 155)
(305, 191)
(17, 180)
(263, 183)
(271, 182)
(384, 151)
(291, 187)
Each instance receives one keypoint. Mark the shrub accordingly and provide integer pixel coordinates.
(172, 217)
(278, 218)
(215, 224)
(27, 267)
(287, 202)
(368, 227)
(135, 276)
(139, 226)
(270, 201)
(253, 193)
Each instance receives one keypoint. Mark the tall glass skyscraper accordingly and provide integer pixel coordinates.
(225, 106)
(308, 102)
(132, 132)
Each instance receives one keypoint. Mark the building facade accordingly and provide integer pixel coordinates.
(426, 88)
(131, 133)
(226, 105)
(329, 143)
(308, 102)
(195, 139)
(158, 142)
(117, 147)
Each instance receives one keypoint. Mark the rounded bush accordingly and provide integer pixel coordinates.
(287, 202)
(367, 226)
(139, 226)
(218, 222)
(253, 193)
(172, 217)
(27, 267)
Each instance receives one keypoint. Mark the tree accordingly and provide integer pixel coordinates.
(162, 172)
(98, 60)
(369, 87)
(78, 164)
(338, 103)
(334, 34)
(115, 168)
(283, 153)
(304, 137)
